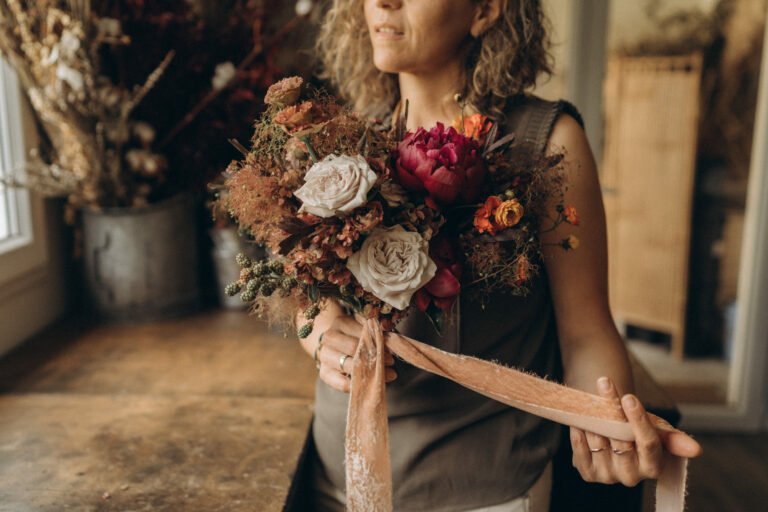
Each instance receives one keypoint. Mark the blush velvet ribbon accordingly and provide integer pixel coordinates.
(368, 477)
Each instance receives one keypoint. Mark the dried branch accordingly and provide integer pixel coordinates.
(152, 79)
(258, 48)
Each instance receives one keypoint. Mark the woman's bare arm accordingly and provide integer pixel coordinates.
(594, 356)
(590, 344)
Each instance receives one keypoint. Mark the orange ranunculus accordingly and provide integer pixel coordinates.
(475, 127)
(571, 215)
(484, 216)
(508, 213)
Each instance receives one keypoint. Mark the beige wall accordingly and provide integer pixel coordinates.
(628, 22)
(34, 298)
(558, 12)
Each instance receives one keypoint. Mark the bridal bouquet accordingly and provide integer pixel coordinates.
(382, 219)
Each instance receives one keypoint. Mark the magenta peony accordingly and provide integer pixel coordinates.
(445, 286)
(443, 162)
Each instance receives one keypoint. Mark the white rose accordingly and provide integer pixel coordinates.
(336, 184)
(392, 264)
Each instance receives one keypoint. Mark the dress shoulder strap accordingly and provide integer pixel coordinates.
(531, 118)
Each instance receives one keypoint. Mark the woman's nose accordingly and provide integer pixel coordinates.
(389, 4)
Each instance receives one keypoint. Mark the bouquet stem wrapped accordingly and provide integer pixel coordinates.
(369, 487)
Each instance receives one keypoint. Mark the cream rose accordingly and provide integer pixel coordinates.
(335, 185)
(392, 264)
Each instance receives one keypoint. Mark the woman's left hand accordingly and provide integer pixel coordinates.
(608, 461)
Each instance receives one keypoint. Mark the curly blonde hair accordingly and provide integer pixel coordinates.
(505, 61)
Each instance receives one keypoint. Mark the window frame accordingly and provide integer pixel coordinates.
(26, 251)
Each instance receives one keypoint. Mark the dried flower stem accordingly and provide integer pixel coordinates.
(152, 79)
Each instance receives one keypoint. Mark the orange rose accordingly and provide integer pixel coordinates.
(475, 127)
(508, 213)
(484, 216)
(571, 216)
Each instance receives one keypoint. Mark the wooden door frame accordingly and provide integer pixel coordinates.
(746, 408)
(586, 69)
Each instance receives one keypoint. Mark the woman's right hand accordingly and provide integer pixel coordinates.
(338, 340)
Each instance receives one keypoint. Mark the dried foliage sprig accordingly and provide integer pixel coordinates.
(95, 154)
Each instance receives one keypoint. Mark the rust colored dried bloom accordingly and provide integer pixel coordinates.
(301, 120)
(251, 201)
(508, 213)
(571, 216)
(484, 216)
(294, 117)
(285, 92)
(522, 269)
(475, 126)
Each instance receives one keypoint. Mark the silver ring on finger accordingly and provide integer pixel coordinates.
(342, 359)
(622, 452)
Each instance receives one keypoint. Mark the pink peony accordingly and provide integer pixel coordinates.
(443, 162)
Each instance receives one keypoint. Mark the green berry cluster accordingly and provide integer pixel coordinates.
(232, 289)
(262, 277)
(243, 260)
(305, 330)
(311, 312)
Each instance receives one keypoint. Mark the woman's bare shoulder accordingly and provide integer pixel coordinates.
(568, 134)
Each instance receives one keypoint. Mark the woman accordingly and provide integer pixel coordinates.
(451, 448)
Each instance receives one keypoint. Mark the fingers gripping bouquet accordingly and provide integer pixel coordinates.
(383, 220)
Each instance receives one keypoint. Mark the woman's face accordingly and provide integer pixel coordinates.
(417, 36)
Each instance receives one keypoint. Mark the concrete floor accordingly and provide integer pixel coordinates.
(207, 414)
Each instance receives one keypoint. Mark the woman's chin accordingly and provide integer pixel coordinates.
(387, 68)
(390, 63)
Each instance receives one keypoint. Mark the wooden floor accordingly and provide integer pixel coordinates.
(731, 475)
(207, 414)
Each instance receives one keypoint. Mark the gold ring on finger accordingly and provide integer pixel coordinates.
(595, 450)
(341, 363)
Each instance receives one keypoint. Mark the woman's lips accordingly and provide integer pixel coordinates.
(386, 31)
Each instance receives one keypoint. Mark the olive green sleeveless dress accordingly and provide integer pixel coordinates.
(452, 449)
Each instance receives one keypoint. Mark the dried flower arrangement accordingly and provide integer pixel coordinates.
(102, 85)
(382, 219)
(97, 154)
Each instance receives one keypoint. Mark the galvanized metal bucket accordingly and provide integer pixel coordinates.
(142, 264)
